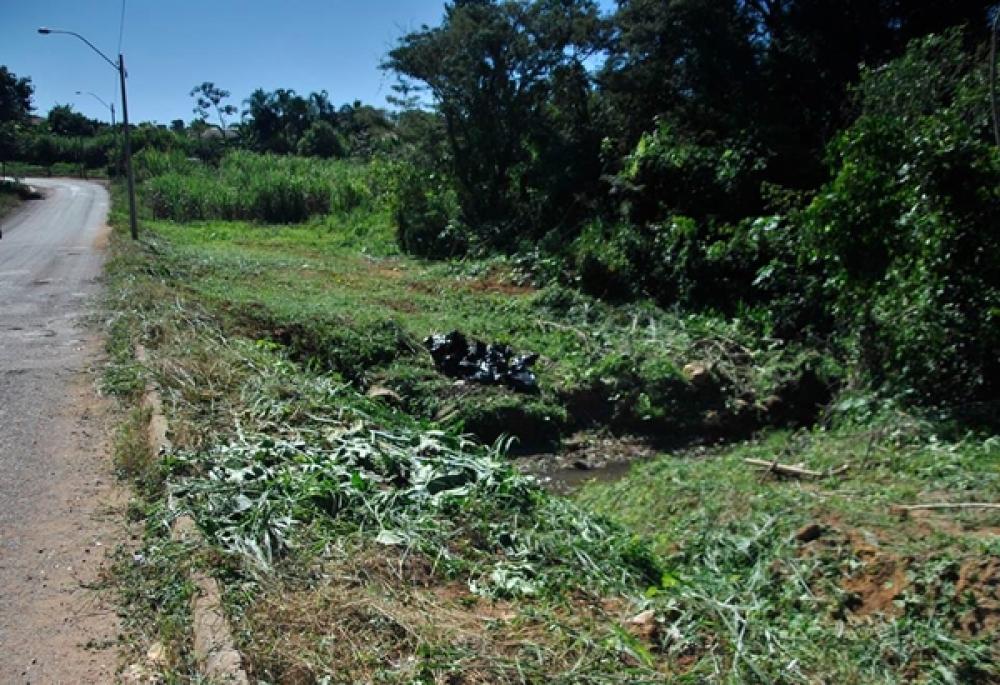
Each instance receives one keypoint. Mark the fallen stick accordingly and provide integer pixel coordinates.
(788, 470)
(563, 327)
(947, 505)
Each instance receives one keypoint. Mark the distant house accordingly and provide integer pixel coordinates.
(216, 133)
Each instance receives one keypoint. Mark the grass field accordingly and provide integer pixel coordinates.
(22, 169)
(361, 538)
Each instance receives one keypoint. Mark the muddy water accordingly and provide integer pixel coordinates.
(562, 479)
(585, 458)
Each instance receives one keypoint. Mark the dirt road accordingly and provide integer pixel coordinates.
(57, 500)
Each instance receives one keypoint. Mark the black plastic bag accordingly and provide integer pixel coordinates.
(473, 360)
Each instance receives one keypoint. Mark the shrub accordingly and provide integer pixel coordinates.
(426, 212)
(321, 140)
(906, 230)
(608, 259)
(668, 173)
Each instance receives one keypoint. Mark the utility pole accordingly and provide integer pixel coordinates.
(132, 219)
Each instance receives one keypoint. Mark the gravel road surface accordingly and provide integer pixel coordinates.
(58, 504)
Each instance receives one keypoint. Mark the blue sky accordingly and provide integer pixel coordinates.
(172, 45)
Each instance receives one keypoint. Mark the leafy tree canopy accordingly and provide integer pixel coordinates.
(492, 69)
(210, 97)
(64, 121)
(15, 96)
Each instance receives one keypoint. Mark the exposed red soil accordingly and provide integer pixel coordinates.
(979, 581)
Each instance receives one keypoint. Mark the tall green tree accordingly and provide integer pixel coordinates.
(321, 140)
(276, 121)
(15, 96)
(64, 121)
(773, 73)
(492, 70)
(15, 108)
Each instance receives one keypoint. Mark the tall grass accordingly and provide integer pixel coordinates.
(253, 187)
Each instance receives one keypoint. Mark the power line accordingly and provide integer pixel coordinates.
(121, 28)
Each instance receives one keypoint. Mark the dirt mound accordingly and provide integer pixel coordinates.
(874, 589)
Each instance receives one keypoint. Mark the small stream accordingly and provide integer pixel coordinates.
(561, 479)
(585, 458)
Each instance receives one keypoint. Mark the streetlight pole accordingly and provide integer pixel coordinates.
(101, 100)
(119, 66)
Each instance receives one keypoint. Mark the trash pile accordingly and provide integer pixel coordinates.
(473, 360)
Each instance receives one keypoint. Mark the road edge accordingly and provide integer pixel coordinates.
(214, 648)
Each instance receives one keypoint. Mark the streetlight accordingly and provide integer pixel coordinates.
(99, 99)
(119, 66)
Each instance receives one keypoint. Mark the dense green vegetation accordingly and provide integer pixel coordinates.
(319, 451)
(823, 171)
(731, 230)
(737, 184)
(247, 186)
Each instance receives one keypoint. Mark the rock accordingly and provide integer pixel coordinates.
(157, 656)
(137, 674)
(698, 373)
(809, 532)
(644, 625)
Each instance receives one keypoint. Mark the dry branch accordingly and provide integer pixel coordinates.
(947, 505)
(789, 470)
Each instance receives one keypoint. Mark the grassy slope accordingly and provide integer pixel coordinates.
(354, 541)
(337, 294)
(255, 333)
(877, 596)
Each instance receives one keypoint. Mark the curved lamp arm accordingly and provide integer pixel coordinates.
(45, 31)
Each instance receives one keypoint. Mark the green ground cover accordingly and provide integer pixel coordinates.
(336, 294)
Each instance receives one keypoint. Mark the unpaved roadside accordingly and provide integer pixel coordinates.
(60, 512)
